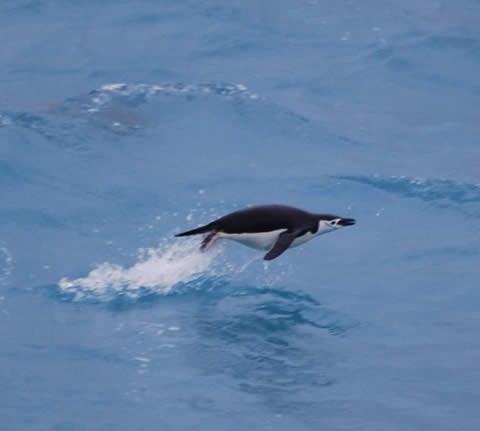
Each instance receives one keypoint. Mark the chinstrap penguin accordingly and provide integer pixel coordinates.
(275, 228)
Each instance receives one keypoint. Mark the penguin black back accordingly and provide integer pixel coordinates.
(265, 218)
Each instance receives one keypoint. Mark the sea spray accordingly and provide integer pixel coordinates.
(157, 271)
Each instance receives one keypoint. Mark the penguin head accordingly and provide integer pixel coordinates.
(329, 222)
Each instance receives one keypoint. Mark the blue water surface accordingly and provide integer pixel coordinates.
(123, 122)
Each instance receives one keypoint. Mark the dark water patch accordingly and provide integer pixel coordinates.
(10, 175)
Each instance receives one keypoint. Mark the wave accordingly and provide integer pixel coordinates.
(114, 102)
(440, 192)
(112, 105)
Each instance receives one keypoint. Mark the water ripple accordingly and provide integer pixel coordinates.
(260, 337)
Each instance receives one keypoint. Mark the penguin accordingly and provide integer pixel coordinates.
(275, 228)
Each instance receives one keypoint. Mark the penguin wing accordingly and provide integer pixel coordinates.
(284, 241)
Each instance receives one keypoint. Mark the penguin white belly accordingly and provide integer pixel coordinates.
(303, 239)
(257, 240)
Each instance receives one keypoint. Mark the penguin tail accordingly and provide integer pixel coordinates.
(196, 231)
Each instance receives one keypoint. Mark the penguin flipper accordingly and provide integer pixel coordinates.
(284, 241)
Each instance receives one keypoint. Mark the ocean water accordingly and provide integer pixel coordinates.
(124, 122)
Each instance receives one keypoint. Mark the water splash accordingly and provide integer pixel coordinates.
(157, 272)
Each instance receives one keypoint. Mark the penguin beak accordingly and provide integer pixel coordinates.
(346, 222)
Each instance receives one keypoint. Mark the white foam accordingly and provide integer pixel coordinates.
(6, 264)
(102, 94)
(157, 270)
(116, 86)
